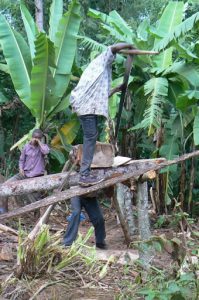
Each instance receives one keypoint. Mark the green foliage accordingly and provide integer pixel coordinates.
(177, 32)
(56, 13)
(42, 91)
(180, 289)
(157, 89)
(45, 255)
(164, 88)
(65, 47)
(42, 83)
(30, 27)
(17, 56)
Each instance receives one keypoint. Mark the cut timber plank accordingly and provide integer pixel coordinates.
(120, 160)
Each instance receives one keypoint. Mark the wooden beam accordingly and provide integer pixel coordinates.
(78, 191)
(53, 181)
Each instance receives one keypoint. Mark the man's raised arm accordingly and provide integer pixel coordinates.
(120, 46)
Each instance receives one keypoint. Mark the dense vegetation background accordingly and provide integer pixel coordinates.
(42, 56)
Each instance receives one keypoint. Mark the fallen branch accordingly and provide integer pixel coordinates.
(8, 229)
(78, 191)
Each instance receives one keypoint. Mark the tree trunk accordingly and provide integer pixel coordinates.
(182, 184)
(160, 190)
(129, 210)
(143, 223)
(2, 143)
(191, 185)
(119, 206)
(124, 197)
(39, 14)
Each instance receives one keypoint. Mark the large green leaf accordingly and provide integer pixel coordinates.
(196, 129)
(189, 71)
(4, 68)
(121, 25)
(65, 44)
(66, 134)
(3, 98)
(142, 32)
(62, 104)
(178, 31)
(17, 56)
(58, 155)
(92, 44)
(30, 27)
(169, 150)
(114, 24)
(157, 89)
(42, 83)
(171, 17)
(56, 12)
(114, 20)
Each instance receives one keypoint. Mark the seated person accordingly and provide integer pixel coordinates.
(31, 164)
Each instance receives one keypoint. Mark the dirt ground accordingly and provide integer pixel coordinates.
(115, 241)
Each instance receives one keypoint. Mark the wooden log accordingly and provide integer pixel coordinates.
(75, 191)
(78, 191)
(51, 182)
(62, 196)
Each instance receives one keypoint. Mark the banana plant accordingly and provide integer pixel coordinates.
(163, 85)
(170, 76)
(41, 70)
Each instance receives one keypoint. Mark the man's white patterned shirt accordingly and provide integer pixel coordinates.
(90, 96)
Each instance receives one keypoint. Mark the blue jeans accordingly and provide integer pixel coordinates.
(93, 210)
(90, 133)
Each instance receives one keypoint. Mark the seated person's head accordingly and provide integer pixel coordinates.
(37, 135)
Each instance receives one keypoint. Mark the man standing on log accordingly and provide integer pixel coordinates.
(93, 210)
(31, 164)
(89, 99)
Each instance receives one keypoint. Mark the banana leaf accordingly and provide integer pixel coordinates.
(177, 32)
(4, 68)
(18, 59)
(66, 134)
(30, 27)
(3, 98)
(65, 45)
(171, 17)
(156, 89)
(58, 155)
(60, 106)
(56, 12)
(42, 83)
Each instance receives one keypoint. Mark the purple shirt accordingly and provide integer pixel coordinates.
(32, 159)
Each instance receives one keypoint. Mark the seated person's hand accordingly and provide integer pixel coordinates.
(21, 172)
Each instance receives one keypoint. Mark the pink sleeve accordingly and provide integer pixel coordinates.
(22, 158)
(44, 149)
